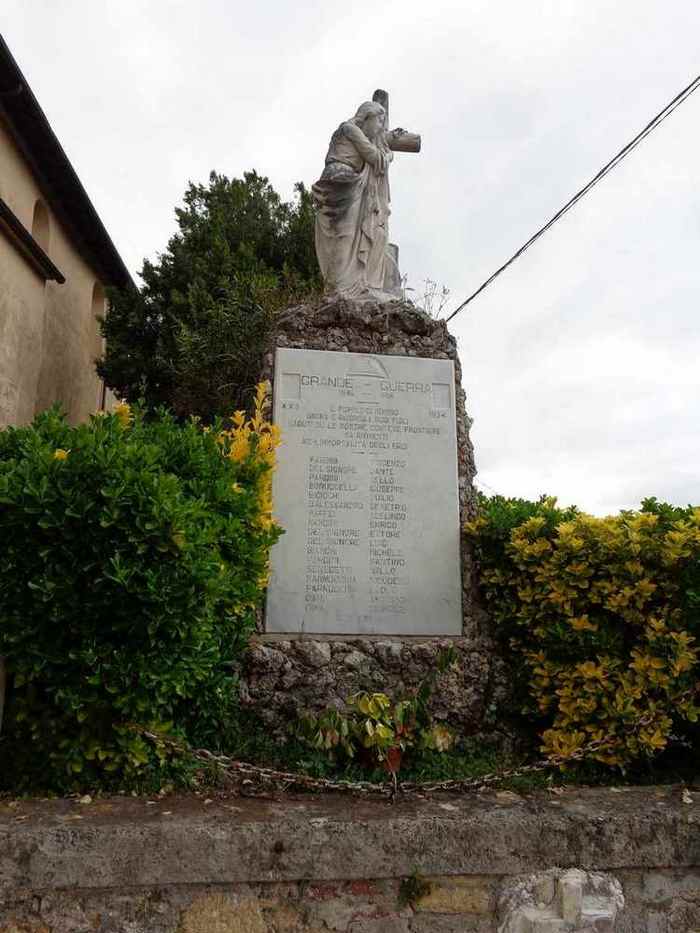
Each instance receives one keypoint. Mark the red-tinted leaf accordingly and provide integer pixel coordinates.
(393, 760)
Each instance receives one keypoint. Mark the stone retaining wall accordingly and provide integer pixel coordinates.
(443, 865)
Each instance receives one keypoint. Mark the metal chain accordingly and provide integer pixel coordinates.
(284, 780)
(252, 774)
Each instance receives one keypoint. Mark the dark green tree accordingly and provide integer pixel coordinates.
(192, 336)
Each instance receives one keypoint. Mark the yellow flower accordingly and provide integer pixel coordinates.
(590, 669)
(684, 663)
(582, 623)
(60, 454)
(262, 396)
(560, 743)
(124, 414)
(239, 449)
(645, 663)
(653, 740)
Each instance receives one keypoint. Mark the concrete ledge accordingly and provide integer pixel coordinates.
(122, 842)
(322, 864)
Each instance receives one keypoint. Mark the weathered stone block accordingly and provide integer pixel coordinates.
(570, 895)
(24, 928)
(466, 895)
(315, 653)
(379, 925)
(451, 923)
(582, 902)
(285, 919)
(217, 913)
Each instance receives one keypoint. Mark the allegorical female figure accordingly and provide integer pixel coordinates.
(352, 200)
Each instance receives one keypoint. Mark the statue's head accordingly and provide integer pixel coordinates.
(370, 118)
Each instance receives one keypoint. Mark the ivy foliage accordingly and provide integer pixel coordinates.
(600, 617)
(134, 554)
(192, 337)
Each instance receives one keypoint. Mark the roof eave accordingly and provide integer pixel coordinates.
(54, 173)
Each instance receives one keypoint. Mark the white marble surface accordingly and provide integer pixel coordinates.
(353, 205)
(366, 488)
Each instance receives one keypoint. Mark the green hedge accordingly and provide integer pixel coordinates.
(134, 554)
(600, 618)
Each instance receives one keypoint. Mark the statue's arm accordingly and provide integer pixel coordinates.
(369, 152)
(400, 140)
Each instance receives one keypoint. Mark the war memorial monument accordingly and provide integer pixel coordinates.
(374, 477)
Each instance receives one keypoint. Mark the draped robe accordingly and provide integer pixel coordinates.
(352, 200)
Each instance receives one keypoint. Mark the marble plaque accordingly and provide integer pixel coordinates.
(366, 489)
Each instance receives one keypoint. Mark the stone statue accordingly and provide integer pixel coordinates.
(352, 200)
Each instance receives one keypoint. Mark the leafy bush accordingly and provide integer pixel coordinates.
(602, 617)
(192, 337)
(134, 554)
(381, 731)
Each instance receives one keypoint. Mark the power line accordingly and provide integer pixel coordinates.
(478, 481)
(649, 128)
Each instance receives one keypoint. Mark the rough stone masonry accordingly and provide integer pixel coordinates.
(307, 864)
(285, 675)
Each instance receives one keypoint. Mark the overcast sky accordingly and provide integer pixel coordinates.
(581, 363)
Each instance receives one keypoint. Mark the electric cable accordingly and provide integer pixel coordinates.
(607, 168)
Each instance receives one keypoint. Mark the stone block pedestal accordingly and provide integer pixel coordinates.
(287, 673)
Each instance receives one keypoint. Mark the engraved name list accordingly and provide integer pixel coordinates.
(366, 490)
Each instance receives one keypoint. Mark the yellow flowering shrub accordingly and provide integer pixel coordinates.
(123, 414)
(600, 616)
(257, 437)
(255, 441)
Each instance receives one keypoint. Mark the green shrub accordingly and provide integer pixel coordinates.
(134, 554)
(600, 617)
(379, 731)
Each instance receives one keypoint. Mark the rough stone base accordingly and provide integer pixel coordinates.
(285, 677)
(441, 865)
